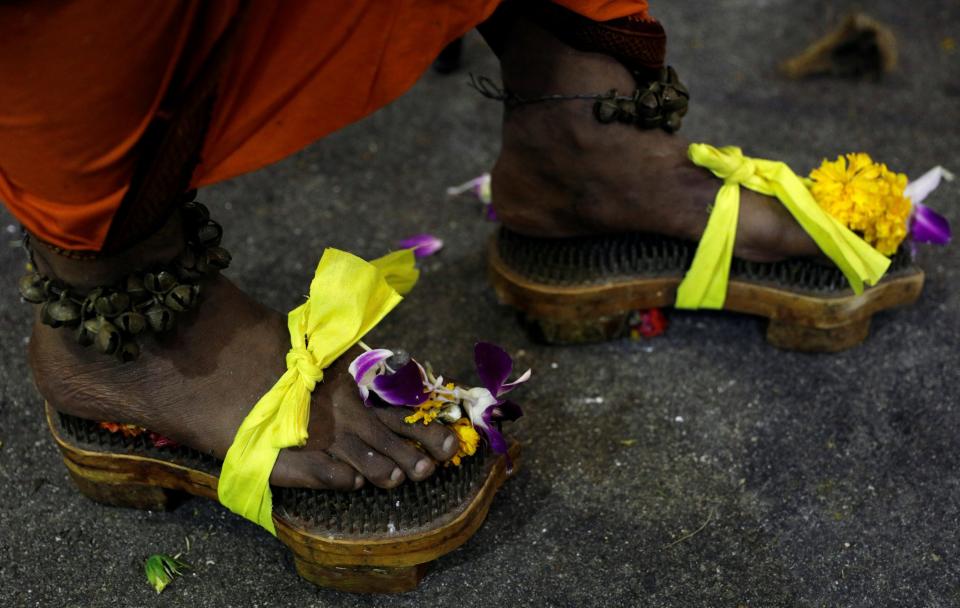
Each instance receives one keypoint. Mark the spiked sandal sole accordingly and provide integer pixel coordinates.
(580, 290)
(368, 541)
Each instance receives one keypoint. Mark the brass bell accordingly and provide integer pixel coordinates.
(160, 282)
(31, 288)
(180, 298)
(113, 304)
(648, 104)
(672, 99)
(628, 110)
(92, 326)
(90, 302)
(218, 257)
(84, 337)
(45, 316)
(160, 318)
(210, 234)
(109, 338)
(132, 322)
(605, 111)
(128, 351)
(64, 311)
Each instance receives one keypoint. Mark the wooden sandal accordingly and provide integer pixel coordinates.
(585, 289)
(368, 541)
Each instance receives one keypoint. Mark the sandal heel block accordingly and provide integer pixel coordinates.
(795, 336)
(121, 472)
(115, 491)
(582, 290)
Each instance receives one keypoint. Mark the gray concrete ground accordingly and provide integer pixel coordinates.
(703, 468)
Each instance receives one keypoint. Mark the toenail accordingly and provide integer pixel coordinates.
(397, 474)
(447, 444)
(358, 482)
(423, 467)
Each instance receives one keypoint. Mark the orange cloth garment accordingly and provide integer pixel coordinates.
(80, 81)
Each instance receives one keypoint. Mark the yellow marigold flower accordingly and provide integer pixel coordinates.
(864, 196)
(469, 439)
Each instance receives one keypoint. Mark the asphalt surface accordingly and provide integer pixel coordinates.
(702, 468)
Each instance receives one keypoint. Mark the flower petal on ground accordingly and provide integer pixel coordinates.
(423, 245)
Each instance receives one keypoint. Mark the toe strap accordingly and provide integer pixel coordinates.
(705, 284)
(348, 297)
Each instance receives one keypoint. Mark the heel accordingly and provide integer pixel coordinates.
(110, 489)
(362, 579)
(793, 336)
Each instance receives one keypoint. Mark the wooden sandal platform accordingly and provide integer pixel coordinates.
(585, 289)
(368, 541)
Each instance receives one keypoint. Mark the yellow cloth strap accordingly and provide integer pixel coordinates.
(705, 284)
(348, 297)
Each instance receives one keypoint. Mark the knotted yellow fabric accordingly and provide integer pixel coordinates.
(705, 284)
(348, 297)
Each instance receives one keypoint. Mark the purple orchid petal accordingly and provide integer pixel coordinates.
(928, 226)
(364, 367)
(493, 365)
(405, 387)
(491, 213)
(505, 411)
(509, 386)
(918, 189)
(423, 245)
(494, 437)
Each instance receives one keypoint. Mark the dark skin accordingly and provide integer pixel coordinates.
(560, 173)
(197, 383)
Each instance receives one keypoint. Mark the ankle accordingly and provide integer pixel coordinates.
(109, 300)
(89, 272)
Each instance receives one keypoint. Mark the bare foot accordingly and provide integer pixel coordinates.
(561, 173)
(196, 384)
